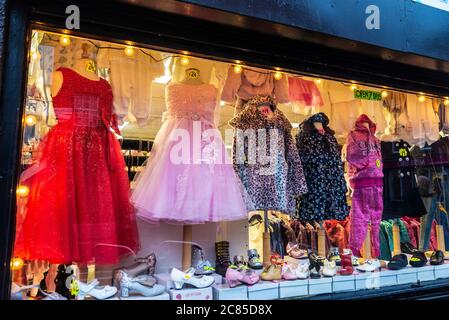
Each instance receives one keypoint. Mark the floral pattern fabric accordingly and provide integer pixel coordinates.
(323, 169)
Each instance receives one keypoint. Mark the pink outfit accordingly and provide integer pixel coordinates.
(367, 206)
(304, 91)
(365, 177)
(364, 155)
(249, 83)
(189, 177)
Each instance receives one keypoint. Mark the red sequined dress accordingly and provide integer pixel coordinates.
(78, 208)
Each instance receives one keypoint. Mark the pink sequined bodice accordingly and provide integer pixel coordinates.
(196, 102)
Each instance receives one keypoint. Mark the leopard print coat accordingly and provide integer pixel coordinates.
(266, 159)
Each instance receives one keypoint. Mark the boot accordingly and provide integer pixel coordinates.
(223, 260)
(201, 265)
(346, 263)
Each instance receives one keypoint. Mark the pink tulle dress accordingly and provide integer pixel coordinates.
(189, 178)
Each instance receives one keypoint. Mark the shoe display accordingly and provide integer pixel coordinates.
(334, 255)
(144, 285)
(370, 265)
(141, 266)
(223, 260)
(236, 277)
(201, 265)
(63, 273)
(274, 270)
(254, 260)
(93, 289)
(437, 258)
(180, 278)
(398, 262)
(315, 264)
(302, 270)
(346, 263)
(407, 247)
(288, 272)
(355, 260)
(294, 251)
(418, 259)
(239, 262)
(329, 268)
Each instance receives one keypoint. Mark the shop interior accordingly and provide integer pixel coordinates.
(359, 191)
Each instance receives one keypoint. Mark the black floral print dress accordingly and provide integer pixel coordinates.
(323, 170)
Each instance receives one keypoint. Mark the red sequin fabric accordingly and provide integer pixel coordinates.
(78, 208)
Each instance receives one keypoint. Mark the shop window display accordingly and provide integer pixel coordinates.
(278, 176)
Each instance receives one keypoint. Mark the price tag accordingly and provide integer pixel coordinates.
(367, 95)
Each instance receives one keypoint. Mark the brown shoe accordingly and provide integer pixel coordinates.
(272, 272)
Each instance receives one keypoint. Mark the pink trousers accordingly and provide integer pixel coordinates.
(367, 206)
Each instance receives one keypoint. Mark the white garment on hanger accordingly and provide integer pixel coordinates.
(131, 79)
(423, 120)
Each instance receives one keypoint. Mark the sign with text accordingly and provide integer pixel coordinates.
(367, 95)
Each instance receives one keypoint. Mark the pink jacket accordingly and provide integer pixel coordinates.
(364, 155)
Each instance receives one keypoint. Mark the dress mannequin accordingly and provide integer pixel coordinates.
(85, 66)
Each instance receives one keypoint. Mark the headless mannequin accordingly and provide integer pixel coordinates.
(192, 76)
(85, 67)
(319, 127)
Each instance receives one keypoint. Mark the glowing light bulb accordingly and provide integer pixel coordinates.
(185, 60)
(238, 68)
(64, 40)
(16, 264)
(384, 93)
(317, 81)
(30, 120)
(446, 102)
(353, 87)
(278, 75)
(222, 103)
(421, 98)
(129, 51)
(22, 191)
(35, 55)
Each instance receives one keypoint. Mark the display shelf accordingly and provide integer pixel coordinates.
(191, 294)
(320, 286)
(426, 273)
(224, 292)
(293, 288)
(343, 283)
(164, 279)
(442, 271)
(407, 275)
(367, 280)
(264, 290)
(388, 278)
(163, 296)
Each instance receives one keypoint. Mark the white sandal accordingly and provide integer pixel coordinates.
(94, 290)
(179, 278)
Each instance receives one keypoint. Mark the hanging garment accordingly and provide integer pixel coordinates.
(266, 159)
(78, 208)
(242, 86)
(323, 169)
(377, 113)
(304, 95)
(364, 158)
(344, 115)
(188, 177)
(366, 209)
(338, 233)
(131, 81)
(401, 193)
(386, 237)
(424, 121)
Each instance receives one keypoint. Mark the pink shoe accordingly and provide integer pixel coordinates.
(235, 277)
(288, 272)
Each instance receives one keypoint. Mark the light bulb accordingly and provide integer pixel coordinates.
(384, 93)
(129, 51)
(278, 75)
(446, 102)
(222, 103)
(22, 191)
(16, 264)
(64, 40)
(353, 87)
(317, 81)
(185, 60)
(421, 98)
(238, 68)
(35, 55)
(30, 120)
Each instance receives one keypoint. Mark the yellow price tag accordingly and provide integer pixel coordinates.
(378, 163)
(402, 152)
